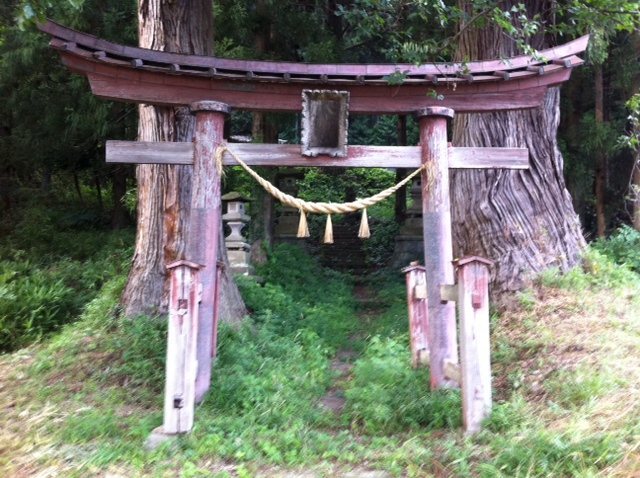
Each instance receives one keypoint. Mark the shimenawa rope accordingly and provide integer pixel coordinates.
(317, 207)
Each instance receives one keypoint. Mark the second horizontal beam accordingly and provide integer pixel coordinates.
(254, 154)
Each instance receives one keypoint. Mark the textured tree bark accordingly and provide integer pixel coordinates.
(635, 179)
(635, 190)
(164, 192)
(523, 220)
(601, 169)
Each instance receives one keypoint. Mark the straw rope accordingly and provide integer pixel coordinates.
(314, 207)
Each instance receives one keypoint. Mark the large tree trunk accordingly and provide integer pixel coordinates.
(635, 191)
(601, 166)
(523, 220)
(635, 175)
(164, 192)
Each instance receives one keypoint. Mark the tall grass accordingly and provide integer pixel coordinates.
(41, 291)
(100, 378)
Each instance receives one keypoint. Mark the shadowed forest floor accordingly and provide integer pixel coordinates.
(319, 384)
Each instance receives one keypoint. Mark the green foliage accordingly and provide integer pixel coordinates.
(89, 425)
(598, 270)
(271, 372)
(507, 415)
(48, 283)
(597, 138)
(53, 129)
(267, 379)
(140, 342)
(299, 294)
(578, 387)
(270, 375)
(390, 306)
(380, 130)
(389, 31)
(623, 248)
(632, 139)
(379, 247)
(542, 453)
(387, 395)
(332, 185)
(33, 302)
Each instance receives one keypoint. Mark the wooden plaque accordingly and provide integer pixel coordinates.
(325, 122)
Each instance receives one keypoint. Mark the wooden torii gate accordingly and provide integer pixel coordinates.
(211, 86)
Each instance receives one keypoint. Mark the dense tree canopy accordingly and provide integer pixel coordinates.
(53, 130)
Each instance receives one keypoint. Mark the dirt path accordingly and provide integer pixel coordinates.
(342, 363)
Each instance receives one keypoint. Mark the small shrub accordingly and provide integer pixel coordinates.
(141, 344)
(598, 270)
(387, 395)
(269, 303)
(33, 302)
(507, 415)
(267, 379)
(302, 277)
(623, 247)
(299, 294)
(41, 294)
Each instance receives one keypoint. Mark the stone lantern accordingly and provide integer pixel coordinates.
(238, 249)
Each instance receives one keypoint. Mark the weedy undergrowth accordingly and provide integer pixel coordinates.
(41, 291)
(563, 364)
(386, 395)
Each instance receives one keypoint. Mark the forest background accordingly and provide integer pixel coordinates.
(54, 182)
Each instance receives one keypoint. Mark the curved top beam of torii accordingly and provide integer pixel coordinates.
(140, 75)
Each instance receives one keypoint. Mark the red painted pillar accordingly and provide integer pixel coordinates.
(204, 227)
(438, 248)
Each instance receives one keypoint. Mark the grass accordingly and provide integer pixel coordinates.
(565, 362)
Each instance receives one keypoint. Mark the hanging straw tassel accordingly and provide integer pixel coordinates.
(328, 231)
(303, 227)
(364, 232)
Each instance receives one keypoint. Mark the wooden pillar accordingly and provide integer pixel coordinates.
(475, 356)
(417, 306)
(204, 227)
(182, 336)
(438, 249)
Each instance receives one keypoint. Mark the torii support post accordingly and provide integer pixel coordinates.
(438, 249)
(182, 335)
(475, 370)
(204, 227)
(417, 305)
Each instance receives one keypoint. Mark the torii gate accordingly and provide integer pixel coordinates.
(211, 86)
